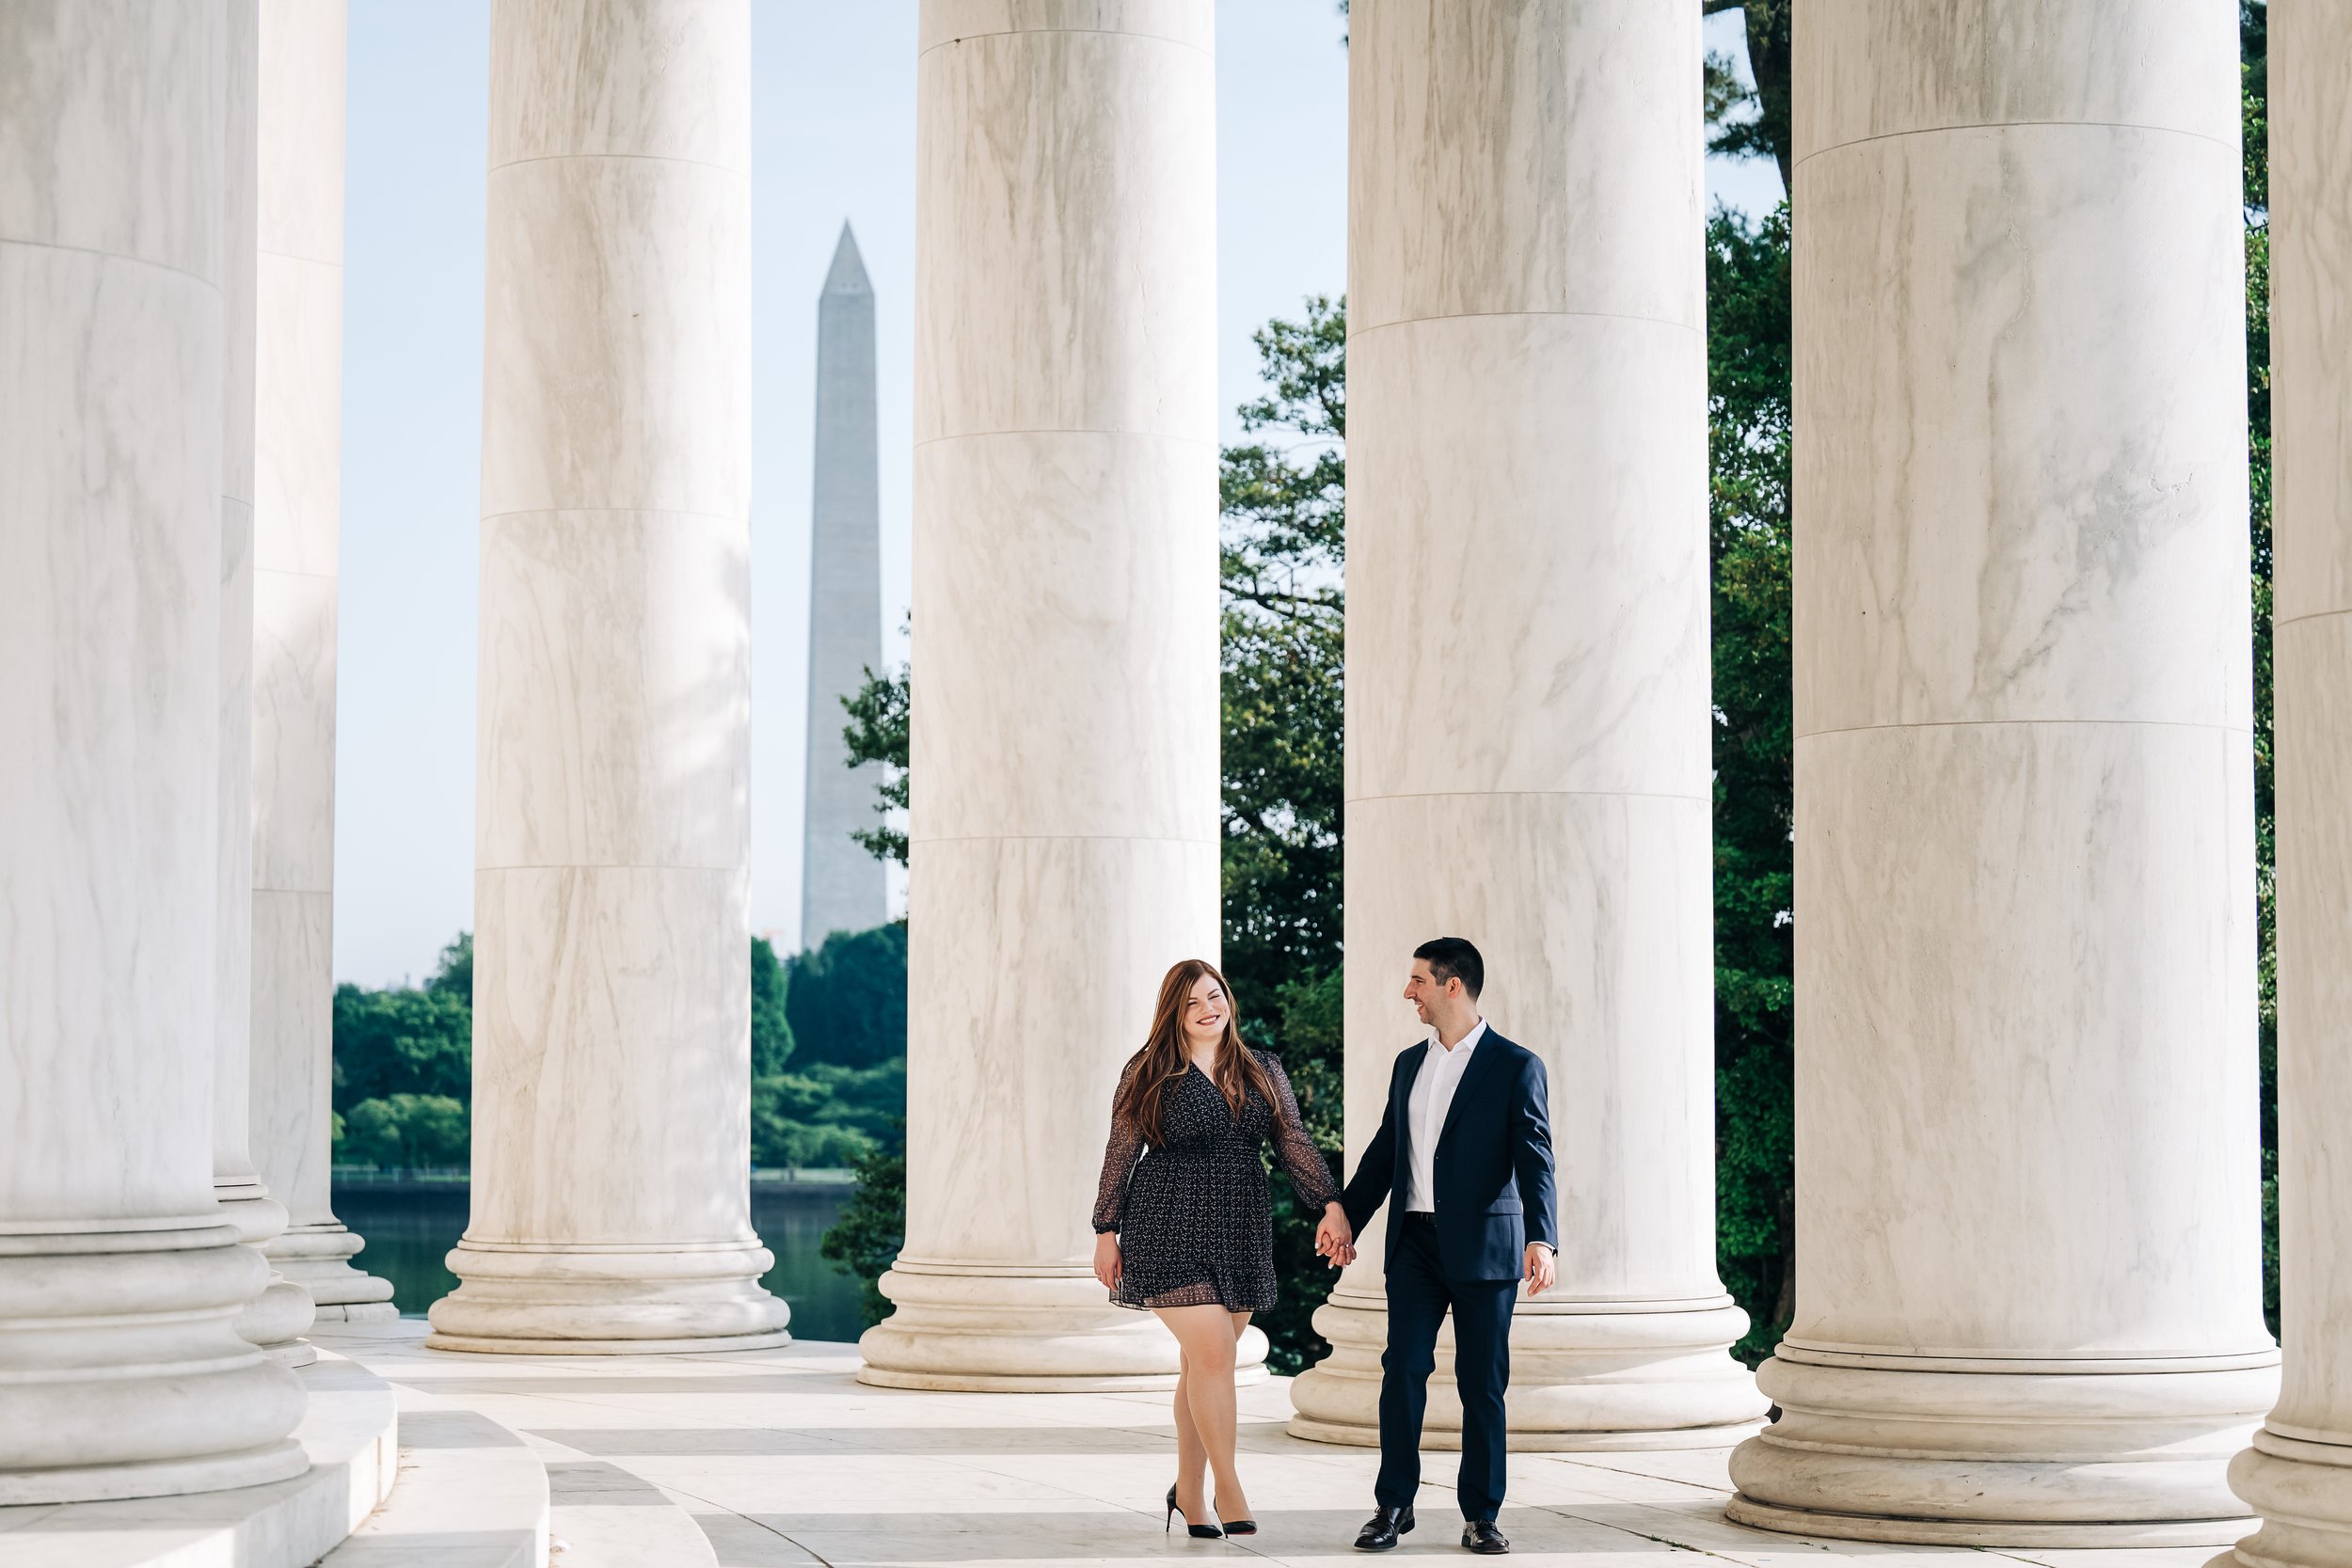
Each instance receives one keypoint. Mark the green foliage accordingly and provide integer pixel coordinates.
(1284, 494)
(455, 976)
(839, 1015)
(405, 1039)
(405, 1132)
(2255, 106)
(1748, 420)
(865, 1239)
(1285, 500)
(772, 1027)
(828, 1115)
(878, 734)
(848, 1000)
(403, 1080)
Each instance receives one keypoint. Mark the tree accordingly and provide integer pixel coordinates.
(848, 1000)
(2255, 109)
(1765, 131)
(876, 733)
(408, 1131)
(872, 1228)
(1283, 496)
(772, 1027)
(1749, 524)
(405, 1040)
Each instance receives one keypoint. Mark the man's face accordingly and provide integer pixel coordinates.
(1426, 992)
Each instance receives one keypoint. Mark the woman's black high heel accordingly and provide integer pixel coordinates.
(1198, 1532)
(1242, 1526)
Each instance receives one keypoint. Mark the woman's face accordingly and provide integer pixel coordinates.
(1206, 1011)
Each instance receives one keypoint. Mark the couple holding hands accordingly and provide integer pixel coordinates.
(1463, 1161)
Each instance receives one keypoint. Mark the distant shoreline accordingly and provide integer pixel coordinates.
(459, 1181)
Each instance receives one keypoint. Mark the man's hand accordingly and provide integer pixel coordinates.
(1335, 1239)
(1106, 1261)
(1541, 1269)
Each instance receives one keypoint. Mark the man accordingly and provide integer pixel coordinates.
(1463, 1159)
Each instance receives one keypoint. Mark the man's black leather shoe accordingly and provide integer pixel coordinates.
(1480, 1536)
(1380, 1532)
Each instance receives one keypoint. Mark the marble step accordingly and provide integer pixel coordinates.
(602, 1517)
(469, 1494)
(349, 1431)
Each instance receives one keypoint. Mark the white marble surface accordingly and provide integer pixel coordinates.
(1527, 704)
(611, 1004)
(122, 1279)
(297, 473)
(2028, 1306)
(1531, 160)
(277, 1319)
(783, 1458)
(1064, 728)
(350, 1437)
(2298, 1473)
(2021, 499)
(1888, 68)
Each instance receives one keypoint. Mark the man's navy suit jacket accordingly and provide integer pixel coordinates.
(1494, 1185)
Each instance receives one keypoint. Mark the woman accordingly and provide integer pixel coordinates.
(1181, 1225)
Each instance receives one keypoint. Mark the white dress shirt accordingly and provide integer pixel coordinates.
(1425, 1107)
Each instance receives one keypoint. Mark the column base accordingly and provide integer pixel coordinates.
(1950, 1450)
(971, 1328)
(277, 1319)
(2302, 1488)
(1585, 1377)
(317, 1257)
(545, 1299)
(125, 1375)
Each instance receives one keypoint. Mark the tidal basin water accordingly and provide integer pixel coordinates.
(410, 1228)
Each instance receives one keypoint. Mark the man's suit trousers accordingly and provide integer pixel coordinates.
(1419, 1298)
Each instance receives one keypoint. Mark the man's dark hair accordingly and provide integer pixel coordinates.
(1452, 959)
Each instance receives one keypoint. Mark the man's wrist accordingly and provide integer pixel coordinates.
(1547, 1246)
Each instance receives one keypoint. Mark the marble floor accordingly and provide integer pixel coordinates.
(771, 1458)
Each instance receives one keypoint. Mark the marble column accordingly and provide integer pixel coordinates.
(1064, 821)
(2298, 1475)
(612, 1109)
(298, 353)
(1527, 698)
(121, 1279)
(282, 1314)
(2028, 1281)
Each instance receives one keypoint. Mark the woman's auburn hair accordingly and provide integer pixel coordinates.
(1163, 1059)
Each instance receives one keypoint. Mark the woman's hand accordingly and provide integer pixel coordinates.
(1335, 1238)
(1106, 1259)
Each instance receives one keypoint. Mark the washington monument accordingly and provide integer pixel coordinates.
(841, 885)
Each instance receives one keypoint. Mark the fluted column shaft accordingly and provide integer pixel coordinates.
(2028, 1288)
(2298, 1473)
(611, 1114)
(121, 1371)
(1064, 829)
(1527, 698)
(282, 1314)
(298, 440)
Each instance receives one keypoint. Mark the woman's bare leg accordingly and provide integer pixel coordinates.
(1192, 1459)
(1207, 1338)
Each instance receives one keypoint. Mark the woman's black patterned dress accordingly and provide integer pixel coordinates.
(1190, 1205)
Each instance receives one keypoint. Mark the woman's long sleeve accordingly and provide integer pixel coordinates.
(1119, 1164)
(1301, 1161)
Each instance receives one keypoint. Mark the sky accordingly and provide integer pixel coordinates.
(832, 138)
